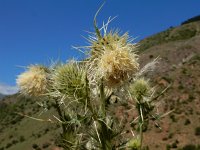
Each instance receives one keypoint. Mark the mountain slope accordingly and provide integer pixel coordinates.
(179, 67)
(20, 132)
(173, 34)
(178, 50)
(1, 96)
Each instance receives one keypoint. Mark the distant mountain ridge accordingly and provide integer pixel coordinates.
(182, 32)
(193, 19)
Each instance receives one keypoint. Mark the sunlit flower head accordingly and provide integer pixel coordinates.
(113, 58)
(34, 81)
(116, 67)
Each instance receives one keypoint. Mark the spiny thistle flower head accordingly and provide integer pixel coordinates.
(140, 89)
(113, 59)
(34, 81)
(133, 144)
(69, 80)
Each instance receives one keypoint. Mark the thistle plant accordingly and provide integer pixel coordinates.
(82, 92)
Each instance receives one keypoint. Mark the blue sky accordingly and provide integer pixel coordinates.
(37, 31)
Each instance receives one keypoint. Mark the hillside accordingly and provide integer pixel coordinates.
(1, 96)
(19, 132)
(179, 66)
(178, 49)
(173, 34)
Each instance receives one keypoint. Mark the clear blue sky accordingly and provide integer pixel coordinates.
(36, 31)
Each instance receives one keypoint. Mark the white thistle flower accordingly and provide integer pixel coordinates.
(34, 81)
(112, 58)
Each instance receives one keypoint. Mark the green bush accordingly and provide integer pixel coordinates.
(187, 122)
(197, 131)
(190, 147)
(21, 139)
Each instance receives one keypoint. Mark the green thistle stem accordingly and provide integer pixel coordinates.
(61, 117)
(141, 121)
(88, 99)
(105, 137)
(104, 133)
(102, 97)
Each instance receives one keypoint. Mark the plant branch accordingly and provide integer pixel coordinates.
(58, 109)
(102, 97)
(141, 121)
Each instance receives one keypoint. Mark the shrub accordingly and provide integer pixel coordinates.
(173, 118)
(8, 145)
(187, 122)
(21, 139)
(35, 146)
(190, 147)
(168, 147)
(15, 142)
(45, 145)
(197, 131)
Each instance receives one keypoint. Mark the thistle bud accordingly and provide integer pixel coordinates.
(134, 144)
(69, 80)
(140, 89)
